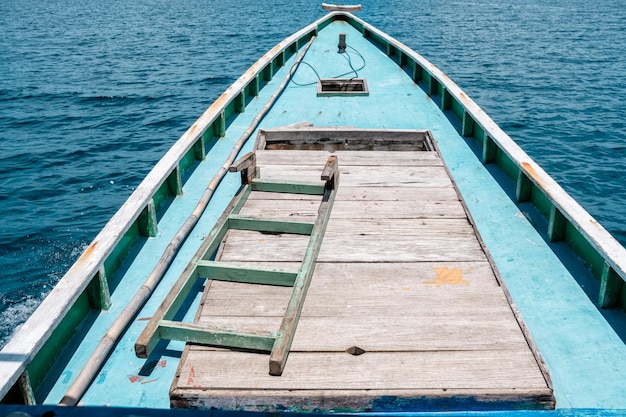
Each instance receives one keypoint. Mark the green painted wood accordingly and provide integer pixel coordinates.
(417, 72)
(523, 188)
(271, 226)
(228, 271)
(280, 59)
(188, 159)
(286, 333)
(125, 244)
(254, 86)
(98, 292)
(402, 58)
(610, 288)
(490, 149)
(215, 336)
(446, 99)
(199, 149)
(288, 187)
(579, 243)
(240, 102)
(175, 182)
(268, 71)
(243, 196)
(219, 125)
(433, 85)
(26, 389)
(150, 336)
(229, 219)
(468, 125)
(147, 220)
(556, 225)
(46, 357)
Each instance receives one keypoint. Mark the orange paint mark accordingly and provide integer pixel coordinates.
(192, 375)
(88, 252)
(533, 174)
(274, 50)
(134, 378)
(447, 276)
(261, 240)
(220, 102)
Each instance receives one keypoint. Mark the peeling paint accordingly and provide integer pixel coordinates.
(134, 378)
(533, 174)
(88, 252)
(447, 276)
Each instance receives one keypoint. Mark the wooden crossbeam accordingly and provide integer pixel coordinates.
(277, 186)
(272, 226)
(216, 335)
(227, 271)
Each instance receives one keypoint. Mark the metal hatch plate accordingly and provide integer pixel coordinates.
(342, 87)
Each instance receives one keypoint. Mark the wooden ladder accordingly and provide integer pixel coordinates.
(162, 326)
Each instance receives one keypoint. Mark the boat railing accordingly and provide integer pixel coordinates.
(567, 220)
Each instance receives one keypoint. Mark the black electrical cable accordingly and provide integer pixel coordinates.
(346, 56)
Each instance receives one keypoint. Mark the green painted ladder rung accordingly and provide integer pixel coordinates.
(272, 226)
(227, 271)
(215, 335)
(291, 187)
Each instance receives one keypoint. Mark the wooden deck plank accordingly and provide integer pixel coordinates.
(298, 209)
(363, 241)
(349, 158)
(239, 299)
(360, 400)
(395, 277)
(415, 195)
(375, 370)
(365, 176)
(432, 332)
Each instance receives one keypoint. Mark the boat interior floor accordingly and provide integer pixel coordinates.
(404, 307)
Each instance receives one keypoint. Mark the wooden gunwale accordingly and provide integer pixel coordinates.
(477, 124)
(27, 342)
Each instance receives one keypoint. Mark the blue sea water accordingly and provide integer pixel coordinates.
(93, 93)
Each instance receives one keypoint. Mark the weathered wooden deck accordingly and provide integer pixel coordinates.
(401, 278)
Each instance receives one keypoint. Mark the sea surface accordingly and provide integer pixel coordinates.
(92, 94)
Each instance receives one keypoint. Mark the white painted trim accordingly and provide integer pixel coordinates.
(341, 7)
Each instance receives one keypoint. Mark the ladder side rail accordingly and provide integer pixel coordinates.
(286, 333)
(149, 337)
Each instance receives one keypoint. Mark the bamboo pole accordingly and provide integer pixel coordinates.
(112, 336)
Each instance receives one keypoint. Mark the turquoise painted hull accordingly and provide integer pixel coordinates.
(562, 270)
